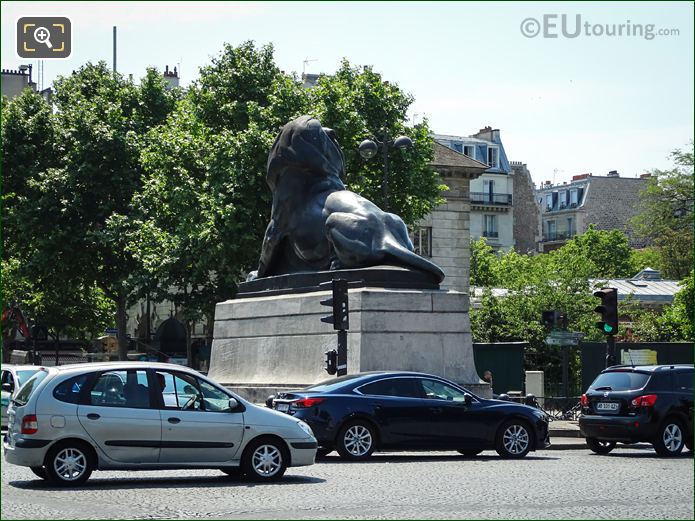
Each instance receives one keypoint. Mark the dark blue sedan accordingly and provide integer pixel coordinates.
(358, 414)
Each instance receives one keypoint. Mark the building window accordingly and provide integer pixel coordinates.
(552, 230)
(549, 201)
(422, 241)
(458, 147)
(469, 150)
(488, 190)
(490, 226)
(563, 199)
(574, 199)
(493, 157)
(570, 226)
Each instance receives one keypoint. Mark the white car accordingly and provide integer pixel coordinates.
(13, 377)
(68, 421)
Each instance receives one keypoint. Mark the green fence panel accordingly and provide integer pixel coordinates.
(506, 362)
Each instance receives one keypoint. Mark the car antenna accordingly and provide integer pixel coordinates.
(630, 355)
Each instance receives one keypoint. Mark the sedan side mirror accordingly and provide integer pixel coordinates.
(233, 404)
(7, 387)
(467, 399)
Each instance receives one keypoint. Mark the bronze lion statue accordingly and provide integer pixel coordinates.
(316, 224)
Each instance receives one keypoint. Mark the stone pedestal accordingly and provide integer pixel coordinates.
(270, 343)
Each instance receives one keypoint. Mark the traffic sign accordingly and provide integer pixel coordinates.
(563, 338)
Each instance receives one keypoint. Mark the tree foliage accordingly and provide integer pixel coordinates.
(358, 104)
(69, 218)
(666, 215)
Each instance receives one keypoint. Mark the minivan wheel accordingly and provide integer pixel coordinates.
(40, 472)
(600, 446)
(356, 440)
(265, 459)
(669, 440)
(69, 464)
(514, 439)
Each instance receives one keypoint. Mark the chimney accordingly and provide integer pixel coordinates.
(645, 176)
(580, 177)
(613, 173)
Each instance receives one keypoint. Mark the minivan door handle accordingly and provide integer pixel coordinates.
(436, 410)
(174, 420)
(93, 416)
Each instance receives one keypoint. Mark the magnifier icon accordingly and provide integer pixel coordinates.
(43, 35)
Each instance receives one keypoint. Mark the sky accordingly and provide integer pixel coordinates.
(565, 103)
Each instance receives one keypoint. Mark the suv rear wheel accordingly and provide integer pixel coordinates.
(600, 446)
(670, 439)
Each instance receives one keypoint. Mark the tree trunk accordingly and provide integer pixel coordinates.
(122, 325)
(189, 349)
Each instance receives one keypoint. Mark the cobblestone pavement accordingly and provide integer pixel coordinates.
(627, 484)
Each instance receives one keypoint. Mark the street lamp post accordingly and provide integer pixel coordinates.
(369, 148)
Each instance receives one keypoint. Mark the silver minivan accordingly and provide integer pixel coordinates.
(67, 421)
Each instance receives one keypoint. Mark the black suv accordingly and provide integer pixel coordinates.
(629, 404)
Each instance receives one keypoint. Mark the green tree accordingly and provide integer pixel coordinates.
(482, 260)
(608, 250)
(77, 212)
(49, 293)
(358, 104)
(666, 216)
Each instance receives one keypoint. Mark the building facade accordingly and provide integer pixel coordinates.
(491, 194)
(527, 210)
(608, 203)
(444, 236)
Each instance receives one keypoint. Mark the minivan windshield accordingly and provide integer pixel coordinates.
(25, 392)
(619, 381)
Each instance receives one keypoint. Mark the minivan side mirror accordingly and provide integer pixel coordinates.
(467, 399)
(233, 404)
(7, 387)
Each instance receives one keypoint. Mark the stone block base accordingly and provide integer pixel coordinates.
(278, 342)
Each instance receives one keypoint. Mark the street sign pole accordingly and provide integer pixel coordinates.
(610, 351)
(342, 353)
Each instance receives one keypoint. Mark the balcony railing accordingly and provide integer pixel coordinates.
(559, 236)
(487, 233)
(488, 198)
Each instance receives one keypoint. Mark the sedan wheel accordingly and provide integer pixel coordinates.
(600, 446)
(68, 464)
(514, 440)
(669, 441)
(264, 460)
(356, 441)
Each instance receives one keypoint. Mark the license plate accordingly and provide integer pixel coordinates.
(607, 406)
(283, 407)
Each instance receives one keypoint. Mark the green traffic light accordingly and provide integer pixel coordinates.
(607, 328)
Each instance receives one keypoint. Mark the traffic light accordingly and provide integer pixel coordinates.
(339, 303)
(608, 309)
(331, 361)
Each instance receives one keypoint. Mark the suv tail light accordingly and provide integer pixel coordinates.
(585, 401)
(30, 425)
(648, 400)
(303, 403)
